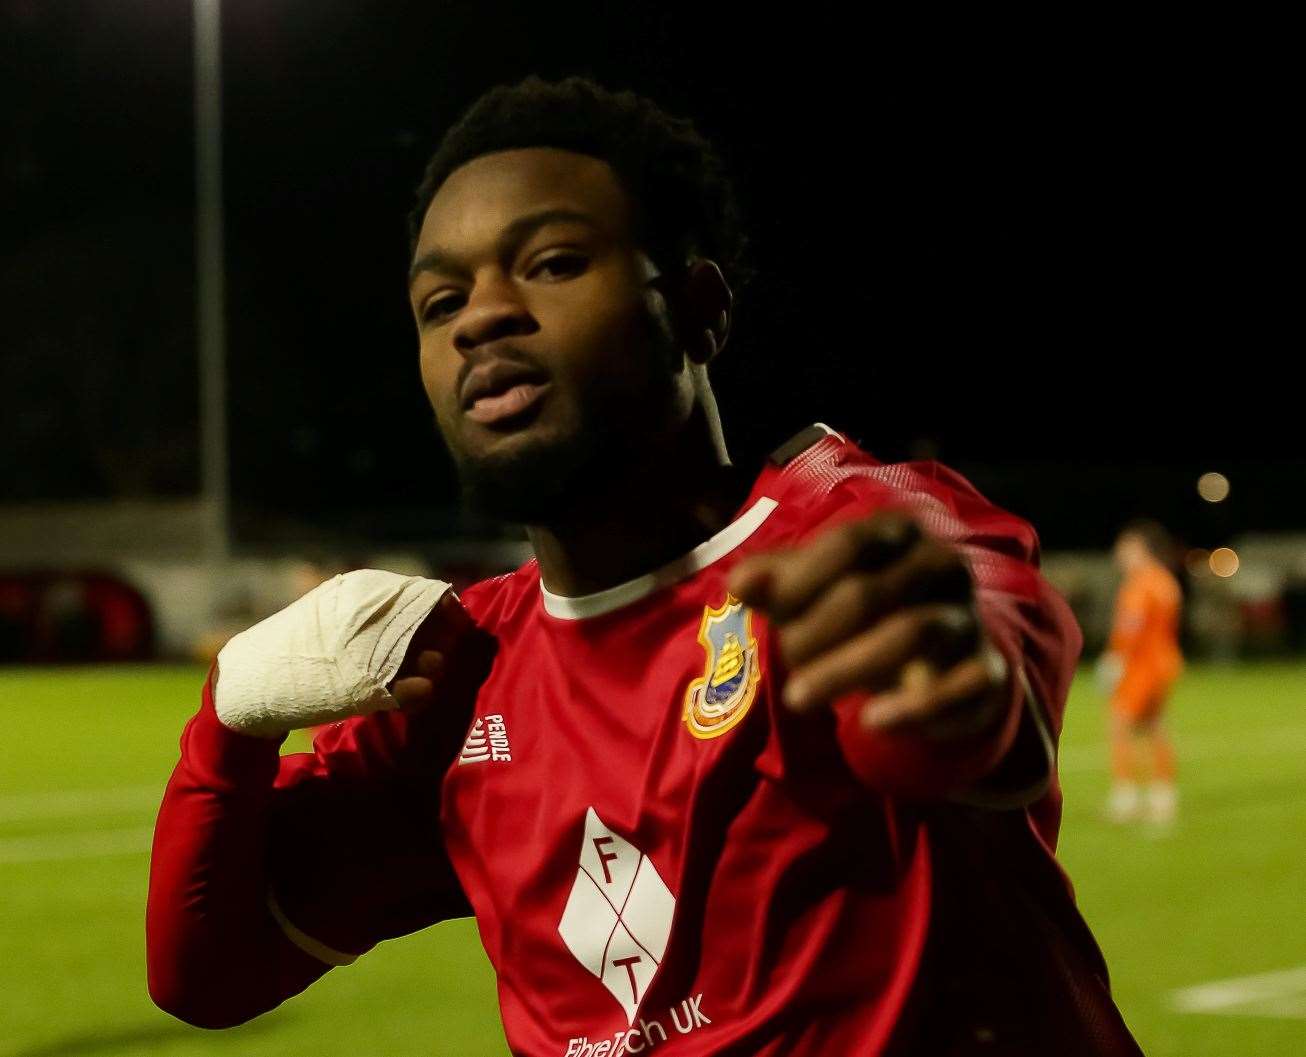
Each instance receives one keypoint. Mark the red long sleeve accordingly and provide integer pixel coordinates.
(215, 955)
(343, 842)
(1012, 761)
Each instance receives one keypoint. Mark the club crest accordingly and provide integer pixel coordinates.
(721, 697)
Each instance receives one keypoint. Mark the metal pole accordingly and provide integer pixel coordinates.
(211, 281)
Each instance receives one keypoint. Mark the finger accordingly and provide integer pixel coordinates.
(930, 573)
(873, 660)
(418, 689)
(750, 579)
(871, 541)
(864, 545)
(430, 663)
(848, 606)
(964, 700)
(412, 692)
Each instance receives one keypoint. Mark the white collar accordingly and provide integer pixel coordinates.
(580, 607)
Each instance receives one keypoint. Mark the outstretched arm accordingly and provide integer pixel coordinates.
(921, 619)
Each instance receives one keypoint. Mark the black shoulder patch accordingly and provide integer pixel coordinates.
(799, 443)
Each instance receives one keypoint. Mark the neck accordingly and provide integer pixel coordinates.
(685, 491)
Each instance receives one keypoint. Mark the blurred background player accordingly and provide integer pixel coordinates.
(1142, 661)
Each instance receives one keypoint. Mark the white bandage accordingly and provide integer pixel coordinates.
(325, 657)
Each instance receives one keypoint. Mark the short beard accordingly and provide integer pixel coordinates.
(537, 484)
(552, 482)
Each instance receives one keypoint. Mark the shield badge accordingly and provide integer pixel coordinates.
(721, 697)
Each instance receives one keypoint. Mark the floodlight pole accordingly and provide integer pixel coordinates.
(210, 272)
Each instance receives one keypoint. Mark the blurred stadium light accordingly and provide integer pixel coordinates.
(1224, 561)
(1213, 487)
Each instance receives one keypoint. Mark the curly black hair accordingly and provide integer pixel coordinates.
(684, 203)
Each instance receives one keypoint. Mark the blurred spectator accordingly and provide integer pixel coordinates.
(1140, 666)
(73, 617)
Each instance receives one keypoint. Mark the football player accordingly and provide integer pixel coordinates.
(749, 759)
(1142, 661)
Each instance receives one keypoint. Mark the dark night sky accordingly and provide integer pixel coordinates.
(1056, 255)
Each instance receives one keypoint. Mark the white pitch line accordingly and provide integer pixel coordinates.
(70, 803)
(87, 845)
(1278, 994)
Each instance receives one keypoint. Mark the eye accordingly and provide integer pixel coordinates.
(438, 309)
(560, 265)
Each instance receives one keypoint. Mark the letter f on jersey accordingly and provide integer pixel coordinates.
(618, 916)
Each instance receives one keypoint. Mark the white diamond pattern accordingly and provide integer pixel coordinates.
(618, 917)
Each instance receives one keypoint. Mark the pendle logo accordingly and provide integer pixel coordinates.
(618, 916)
(487, 740)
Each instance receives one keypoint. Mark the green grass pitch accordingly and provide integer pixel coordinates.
(84, 754)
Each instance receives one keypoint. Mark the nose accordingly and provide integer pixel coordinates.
(494, 310)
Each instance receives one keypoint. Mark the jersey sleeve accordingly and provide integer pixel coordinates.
(268, 870)
(1012, 763)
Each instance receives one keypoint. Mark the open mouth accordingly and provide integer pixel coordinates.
(499, 391)
(501, 407)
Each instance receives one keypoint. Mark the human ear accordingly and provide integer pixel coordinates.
(708, 303)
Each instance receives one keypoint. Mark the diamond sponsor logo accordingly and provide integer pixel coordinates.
(618, 916)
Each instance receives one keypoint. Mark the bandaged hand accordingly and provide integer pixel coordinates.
(332, 654)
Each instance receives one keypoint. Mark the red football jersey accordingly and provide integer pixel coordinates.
(662, 859)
